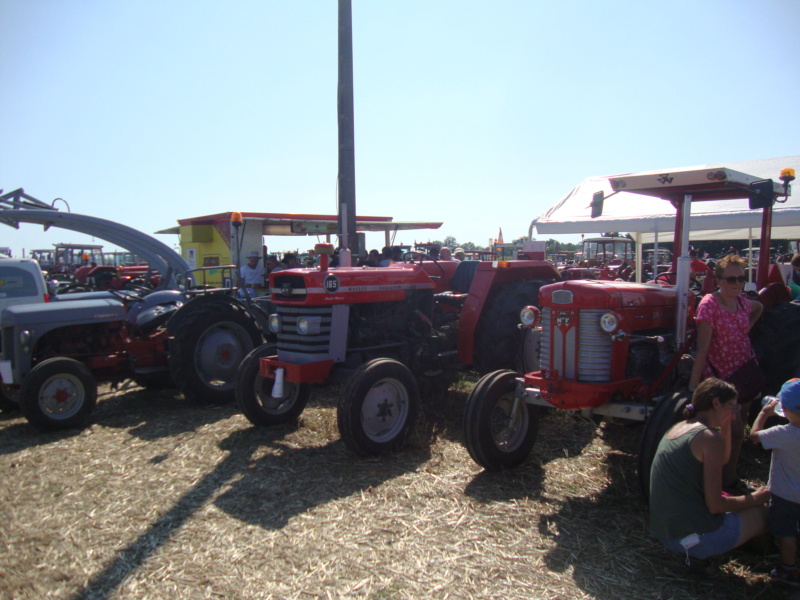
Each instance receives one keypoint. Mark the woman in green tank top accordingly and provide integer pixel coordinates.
(688, 511)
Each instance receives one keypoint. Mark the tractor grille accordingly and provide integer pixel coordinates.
(297, 348)
(291, 286)
(571, 338)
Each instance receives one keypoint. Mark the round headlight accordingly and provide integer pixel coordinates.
(609, 322)
(529, 316)
(274, 323)
(302, 325)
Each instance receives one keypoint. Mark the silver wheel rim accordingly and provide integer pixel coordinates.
(262, 388)
(61, 396)
(509, 422)
(385, 410)
(220, 351)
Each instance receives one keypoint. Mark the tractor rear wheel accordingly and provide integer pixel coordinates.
(667, 412)
(498, 340)
(208, 348)
(58, 393)
(776, 338)
(378, 407)
(254, 393)
(499, 428)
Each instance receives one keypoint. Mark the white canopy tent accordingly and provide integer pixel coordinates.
(651, 219)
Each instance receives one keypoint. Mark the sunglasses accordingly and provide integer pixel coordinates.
(733, 279)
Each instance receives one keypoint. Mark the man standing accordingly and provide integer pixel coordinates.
(251, 275)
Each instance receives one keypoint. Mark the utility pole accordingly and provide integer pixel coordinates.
(347, 159)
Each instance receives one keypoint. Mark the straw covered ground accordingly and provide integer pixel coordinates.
(158, 499)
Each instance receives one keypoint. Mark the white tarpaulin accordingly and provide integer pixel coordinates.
(651, 217)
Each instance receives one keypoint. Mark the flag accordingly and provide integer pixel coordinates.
(500, 236)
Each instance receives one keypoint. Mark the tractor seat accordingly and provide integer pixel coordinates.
(463, 276)
(460, 284)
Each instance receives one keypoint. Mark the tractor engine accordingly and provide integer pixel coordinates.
(602, 340)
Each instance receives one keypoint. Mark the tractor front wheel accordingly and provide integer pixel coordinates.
(254, 393)
(58, 393)
(667, 412)
(499, 427)
(378, 407)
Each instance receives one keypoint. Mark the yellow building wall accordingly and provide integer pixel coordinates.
(203, 246)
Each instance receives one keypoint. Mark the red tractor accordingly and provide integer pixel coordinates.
(386, 331)
(623, 350)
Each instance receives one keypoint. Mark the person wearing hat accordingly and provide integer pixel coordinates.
(251, 275)
(460, 254)
(784, 476)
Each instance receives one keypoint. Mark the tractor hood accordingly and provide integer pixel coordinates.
(63, 313)
(596, 294)
(347, 285)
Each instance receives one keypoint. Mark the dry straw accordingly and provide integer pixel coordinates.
(158, 499)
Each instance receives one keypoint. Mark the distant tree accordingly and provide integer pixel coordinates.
(450, 241)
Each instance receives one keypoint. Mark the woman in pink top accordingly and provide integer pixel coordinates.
(724, 319)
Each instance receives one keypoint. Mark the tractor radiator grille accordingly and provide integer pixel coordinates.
(294, 347)
(576, 347)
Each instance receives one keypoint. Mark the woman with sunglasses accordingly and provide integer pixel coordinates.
(724, 319)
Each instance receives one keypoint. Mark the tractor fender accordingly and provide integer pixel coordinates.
(200, 302)
(257, 310)
(489, 280)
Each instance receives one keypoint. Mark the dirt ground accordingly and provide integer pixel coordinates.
(158, 499)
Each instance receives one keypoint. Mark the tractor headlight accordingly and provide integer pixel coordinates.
(609, 322)
(275, 323)
(530, 316)
(302, 325)
(308, 325)
(25, 340)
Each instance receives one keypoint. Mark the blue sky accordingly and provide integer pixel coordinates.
(479, 114)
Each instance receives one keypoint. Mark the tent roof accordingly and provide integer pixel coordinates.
(646, 215)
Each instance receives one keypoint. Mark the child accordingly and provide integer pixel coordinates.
(784, 476)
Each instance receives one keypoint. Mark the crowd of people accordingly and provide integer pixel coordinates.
(698, 505)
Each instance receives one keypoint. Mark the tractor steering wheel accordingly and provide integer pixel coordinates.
(410, 257)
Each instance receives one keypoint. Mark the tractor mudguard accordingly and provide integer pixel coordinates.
(199, 302)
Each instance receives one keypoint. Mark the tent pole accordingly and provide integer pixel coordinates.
(638, 256)
(681, 266)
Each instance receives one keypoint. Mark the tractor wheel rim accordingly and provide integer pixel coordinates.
(385, 410)
(62, 396)
(262, 388)
(509, 426)
(219, 352)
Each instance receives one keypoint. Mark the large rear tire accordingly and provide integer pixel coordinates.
(207, 349)
(254, 393)
(776, 340)
(667, 412)
(58, 393)
(499, 428)
(498, 340)
(378, 407)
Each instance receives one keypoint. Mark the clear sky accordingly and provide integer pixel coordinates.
(480, 114)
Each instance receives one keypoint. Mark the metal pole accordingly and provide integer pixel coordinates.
(682, 230)
(347, 163)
